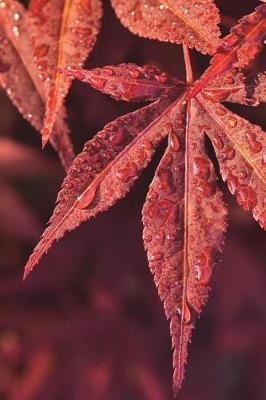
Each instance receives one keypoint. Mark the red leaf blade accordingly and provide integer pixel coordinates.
(239, 48)
(184, 224)
(191, 22)
(240, 148)
(106, 169)
(242, 87)
(128, 82)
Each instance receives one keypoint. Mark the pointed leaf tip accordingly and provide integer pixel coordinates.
(184, 223)
(45, 136)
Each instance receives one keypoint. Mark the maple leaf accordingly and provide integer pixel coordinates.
(62, 32)
(184, 215)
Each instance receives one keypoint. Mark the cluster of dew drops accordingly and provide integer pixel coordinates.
(16, 17)
(4, 42)
(152, 10)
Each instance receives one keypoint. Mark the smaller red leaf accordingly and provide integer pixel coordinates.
(128, 82)
(21, 81)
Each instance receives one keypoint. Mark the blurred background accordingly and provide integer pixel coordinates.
(88, 323)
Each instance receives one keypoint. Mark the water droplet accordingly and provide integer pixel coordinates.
(243, 175)
(218, 142)
(229, 80)
(160, 237)
(127, 172)
(155, 256)
(41, 51)
(162, 78)
(15, 31)
(86, 198)
(174, 142)
(232, 182)
(246, 197)
(117, 137)
(134, 73)
(166, 182)
(232, 122)
(16, 16)
(254, 145)
(161, 210)
(108, 71)
(228, 153)
(220, 111)
(201, 168)
(147, 145)
(186, 312)
(171, 237)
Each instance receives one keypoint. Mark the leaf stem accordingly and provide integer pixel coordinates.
(189, 71)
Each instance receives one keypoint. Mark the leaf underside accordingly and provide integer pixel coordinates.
(62, 32)
(20, 78)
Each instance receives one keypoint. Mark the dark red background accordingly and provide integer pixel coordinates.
(88, 323)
